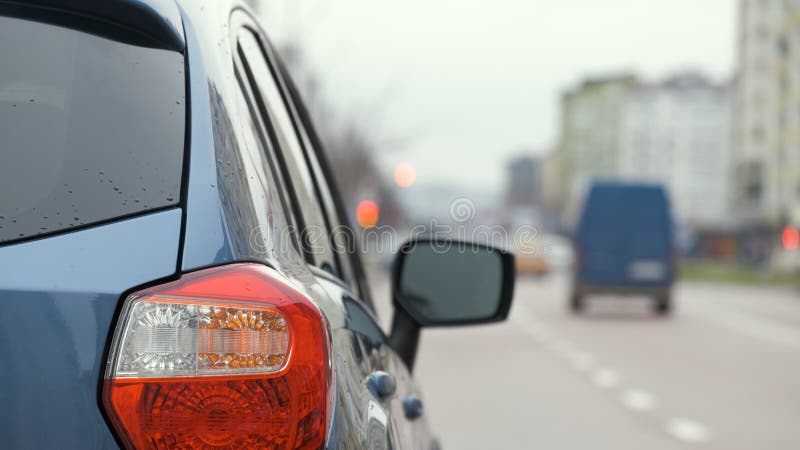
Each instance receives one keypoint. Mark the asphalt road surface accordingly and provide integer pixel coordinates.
(722, 373)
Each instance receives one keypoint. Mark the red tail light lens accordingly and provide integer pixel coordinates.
(230, 357)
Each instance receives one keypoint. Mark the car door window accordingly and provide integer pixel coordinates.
(315, 237)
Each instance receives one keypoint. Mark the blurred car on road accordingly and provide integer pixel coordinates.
(531, 264)
(624, 244)
(169, 278)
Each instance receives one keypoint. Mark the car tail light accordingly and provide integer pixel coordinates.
(229, 357)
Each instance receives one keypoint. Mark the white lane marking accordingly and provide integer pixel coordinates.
(684, 430)
(638, 400)
(605, 378)
(581, 361)
(688, 431)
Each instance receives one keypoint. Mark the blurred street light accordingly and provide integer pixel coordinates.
(367, 213)
(405, 174)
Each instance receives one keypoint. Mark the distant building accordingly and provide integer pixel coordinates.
(767, 114)
(524, 182)
(551, 192)
(591, 118)
(677, 132)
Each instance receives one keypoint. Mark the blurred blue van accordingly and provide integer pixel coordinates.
(624, 244)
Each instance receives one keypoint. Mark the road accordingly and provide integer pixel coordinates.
(722, 373)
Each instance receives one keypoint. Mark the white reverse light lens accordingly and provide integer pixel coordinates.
(166, 337)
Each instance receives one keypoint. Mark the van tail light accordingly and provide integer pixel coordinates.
(229, 357)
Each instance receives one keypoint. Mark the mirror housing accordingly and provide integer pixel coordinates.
(438, 282)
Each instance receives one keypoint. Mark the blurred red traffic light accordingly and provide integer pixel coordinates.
(790, 238)
(367, 213)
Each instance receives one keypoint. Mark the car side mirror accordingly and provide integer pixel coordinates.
(443, 283)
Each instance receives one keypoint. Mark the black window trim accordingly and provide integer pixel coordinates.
(272, 140)
(267, 120)
(276, 68)
(303, 119)
(271, 155)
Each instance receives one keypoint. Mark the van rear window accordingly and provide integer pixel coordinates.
(91, 129)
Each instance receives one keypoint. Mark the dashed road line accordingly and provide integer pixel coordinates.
(687, 430)
(605, 378)
(637, 400)
(581, 361)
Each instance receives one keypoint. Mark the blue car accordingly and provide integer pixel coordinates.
(176, 269)
(624, 244)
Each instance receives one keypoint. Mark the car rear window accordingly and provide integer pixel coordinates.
(91, 129)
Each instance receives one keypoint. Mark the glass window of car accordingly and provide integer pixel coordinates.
(257, 173)
(340, 237)
(315, 237)
(91, 129)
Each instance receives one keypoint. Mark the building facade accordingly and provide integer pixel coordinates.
(591, 118)
(677, 132)
(524, 182)
(767, 114)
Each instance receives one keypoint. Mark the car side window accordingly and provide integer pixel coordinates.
(262, 178)
(315, 237)
(343, 239)
(340, 243)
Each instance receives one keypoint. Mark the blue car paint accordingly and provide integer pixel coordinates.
(206, 240)
(77, 281)
(622, 224)
(59, 296)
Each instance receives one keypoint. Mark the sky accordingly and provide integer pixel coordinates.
(458, 87)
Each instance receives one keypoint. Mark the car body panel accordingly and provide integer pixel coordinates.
(70, 286)
(205, 235)
(59, 296)
(228, 220)
(624, 227)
